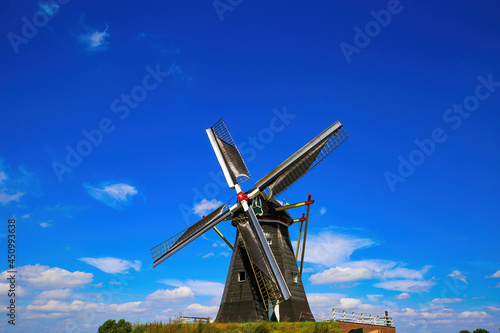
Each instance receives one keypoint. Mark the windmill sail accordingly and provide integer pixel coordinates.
(268, 289)
(230, 160)
(164, 250)
(254, 250)
(303, 161)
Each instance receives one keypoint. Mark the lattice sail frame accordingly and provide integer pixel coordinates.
(220, 130)
(162, 248)
(285, 178)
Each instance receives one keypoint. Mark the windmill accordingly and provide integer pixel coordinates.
(263, 281)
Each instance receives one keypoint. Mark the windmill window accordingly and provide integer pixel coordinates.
(270, 241)
(242, 276)
(295, 278)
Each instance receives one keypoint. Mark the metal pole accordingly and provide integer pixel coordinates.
(223, 238)
(300, 234)
(305, 235)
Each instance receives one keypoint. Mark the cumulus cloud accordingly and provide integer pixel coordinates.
(55, 294)
(402, 296)
(43, 277)
(341, 274)
(199, 287)
(115, 196)
(180, 294)
(322, 211)
(331, 249)
(494, 275)
(58, 307)
(493, 308)
(3, 177)
(437, 312)
(51, 8)
(198, 309)
(45, 224)
(367, 269)
(447, 300)
(323, 303)
(324, 299)
(5, 197)
(4, 288)
(457, 275)
(205, 207)
(374, 298)
(113, 265)
(406, 285)
(95, 40)
(473, 314)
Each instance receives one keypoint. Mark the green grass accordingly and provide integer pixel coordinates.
(258, 327)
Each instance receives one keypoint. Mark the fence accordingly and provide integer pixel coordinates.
(361, 317)
(187, 319)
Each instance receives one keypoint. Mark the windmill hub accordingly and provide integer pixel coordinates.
(263, 281)
(242, 196)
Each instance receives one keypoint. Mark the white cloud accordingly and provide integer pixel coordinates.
(5, 198)
(321, 300)
(51, 8)
(322, 211)
(44, 277)
(56, 307)
(96, 40)
(324, 302)
(341, 274)
(437, 312)
(402, 296)
(493, 308)
(494, 275)
(198, 309)
(406, 285)
(374, 298)
(199, 287)
(210, 254)
(180, 294)
(115, 196)
(331, 249)
(406, 273)
(367, 269)
(473, 314)
(458, 276)
(3, 176)
(45, 224)
(447, 300)
(113, 265)
(55, 294)
(4, 288)
(205, 207)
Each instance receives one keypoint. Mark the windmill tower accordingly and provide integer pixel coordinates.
(263, 281)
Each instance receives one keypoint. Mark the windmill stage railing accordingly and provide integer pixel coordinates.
(361, 317)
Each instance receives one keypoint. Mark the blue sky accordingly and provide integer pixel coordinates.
(104, 153)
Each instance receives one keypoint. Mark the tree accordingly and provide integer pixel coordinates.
(464, 331)
(111, 326)
(480, 330)
(123, 326)
(107, 327)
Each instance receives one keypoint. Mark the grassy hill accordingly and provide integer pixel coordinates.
(260, 327)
